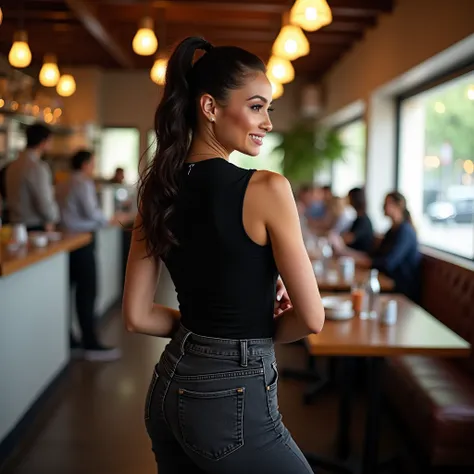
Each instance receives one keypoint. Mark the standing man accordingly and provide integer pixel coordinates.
(29, 188)
(80, 212)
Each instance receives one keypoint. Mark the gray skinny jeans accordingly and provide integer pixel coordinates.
(212, 408)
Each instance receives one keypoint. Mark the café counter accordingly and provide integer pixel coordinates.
(34, 323)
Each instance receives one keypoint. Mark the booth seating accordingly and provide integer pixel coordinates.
(434, 398)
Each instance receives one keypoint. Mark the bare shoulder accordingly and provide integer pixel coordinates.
(271, 185)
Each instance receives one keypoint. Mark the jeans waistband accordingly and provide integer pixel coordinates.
(237, 349)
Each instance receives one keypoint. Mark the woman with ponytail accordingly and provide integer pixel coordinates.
(224, 234)
(397, 255)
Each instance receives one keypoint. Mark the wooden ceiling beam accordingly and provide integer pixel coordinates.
(234, 36)
(338, 7)
(38, 15)
(86, 12)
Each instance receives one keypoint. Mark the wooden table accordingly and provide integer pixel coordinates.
(330, 279)
(415, 332)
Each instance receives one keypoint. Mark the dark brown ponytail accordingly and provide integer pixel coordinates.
(216, 72)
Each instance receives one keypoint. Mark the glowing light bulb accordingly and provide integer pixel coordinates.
(291, 46)
(145, 42)
(66, 85)
(158, 71)
(49, 74)
(311, 15)
(291, 43)
(20, 54)
(281, 70)
(277, 89)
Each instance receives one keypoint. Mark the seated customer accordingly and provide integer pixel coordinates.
(338, 218)
(360, 236)
(397, 255)
(80, 212)
(310, 202)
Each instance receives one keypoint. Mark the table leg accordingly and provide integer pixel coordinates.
(346, 385)
(371, 442)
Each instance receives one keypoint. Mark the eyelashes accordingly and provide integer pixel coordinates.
(258, 107)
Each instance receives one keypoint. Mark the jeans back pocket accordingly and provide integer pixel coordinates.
(211, 423)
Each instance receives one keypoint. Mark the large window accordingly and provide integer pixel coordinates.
(350, 171)
(436, 164)
(120, 148)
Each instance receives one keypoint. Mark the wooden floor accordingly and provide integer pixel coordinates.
(93, 423)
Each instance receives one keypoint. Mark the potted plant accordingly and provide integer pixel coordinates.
(306, 148)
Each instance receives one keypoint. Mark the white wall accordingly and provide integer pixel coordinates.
(414, 32)
(34, 335)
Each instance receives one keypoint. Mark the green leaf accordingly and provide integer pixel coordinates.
(306, 149)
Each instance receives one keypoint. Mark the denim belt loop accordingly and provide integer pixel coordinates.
(183, 342)
(243, 353)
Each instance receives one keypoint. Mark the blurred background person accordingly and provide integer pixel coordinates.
(397, 255)
(118, 177)
(80, 212)
(338, 217)
(28, 184)
(360, 235)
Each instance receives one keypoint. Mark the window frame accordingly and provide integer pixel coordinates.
(459, 70)
(340, 126)
(127, 127)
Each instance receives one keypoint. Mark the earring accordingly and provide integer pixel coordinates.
(212, 119)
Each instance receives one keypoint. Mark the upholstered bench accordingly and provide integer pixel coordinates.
(434, 397)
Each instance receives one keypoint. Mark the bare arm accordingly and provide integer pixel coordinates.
(340, 247)
(283, 226)
(139, 311)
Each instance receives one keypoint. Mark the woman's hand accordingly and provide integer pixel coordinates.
(282, 302)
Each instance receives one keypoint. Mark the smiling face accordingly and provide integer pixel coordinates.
(243, 121)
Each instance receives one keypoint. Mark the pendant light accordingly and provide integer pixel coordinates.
(49, 74)
(291, 43)
(1, 15)
(280, 70)
(311, 15)
(20, 54)
(66, 85)
(277, 89)
(145, 42)
(158, 71)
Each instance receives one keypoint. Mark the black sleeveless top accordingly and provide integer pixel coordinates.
(225, 282)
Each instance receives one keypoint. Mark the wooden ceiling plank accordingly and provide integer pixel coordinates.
(87, 14)
(343, 7)
(37, 15)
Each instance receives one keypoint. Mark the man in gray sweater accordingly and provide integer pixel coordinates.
(29, 188)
